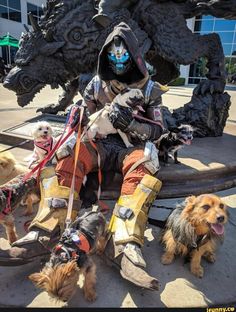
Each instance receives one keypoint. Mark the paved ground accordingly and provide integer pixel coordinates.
(178, 288)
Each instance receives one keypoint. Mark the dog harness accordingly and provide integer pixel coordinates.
(73, 245)
(46, 146)
(200, 241)
(7, 210)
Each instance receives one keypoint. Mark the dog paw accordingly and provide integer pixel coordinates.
(210, 257)
(167, 259)
(198, 271)
(90, 296)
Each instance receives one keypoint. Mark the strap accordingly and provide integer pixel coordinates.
(148, 91)
(99, 169)
(72, 189)
(96, 84)
(147, 120)
(7, 210)
(136, 164)
(95, 147)
(14, 146)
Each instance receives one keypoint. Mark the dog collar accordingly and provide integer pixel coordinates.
(200, 241)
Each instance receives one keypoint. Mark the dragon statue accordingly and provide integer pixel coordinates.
(62, 50)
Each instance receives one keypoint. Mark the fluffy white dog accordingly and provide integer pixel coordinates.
(43, 142)
(99, 123)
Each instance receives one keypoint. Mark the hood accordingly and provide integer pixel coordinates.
(138, 71)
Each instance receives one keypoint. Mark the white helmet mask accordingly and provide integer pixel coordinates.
(119, 57)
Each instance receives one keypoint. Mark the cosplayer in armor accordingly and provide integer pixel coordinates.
(120, 65)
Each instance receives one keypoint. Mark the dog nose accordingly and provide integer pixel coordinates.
(220, 219)
(45, 132)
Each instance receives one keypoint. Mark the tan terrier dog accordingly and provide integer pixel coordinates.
(193, 229)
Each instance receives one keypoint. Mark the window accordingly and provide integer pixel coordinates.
(226, 29)
(35, 10)
(204, 25)
(10, 9)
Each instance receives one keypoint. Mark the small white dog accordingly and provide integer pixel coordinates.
(43, 142)
(99, 122)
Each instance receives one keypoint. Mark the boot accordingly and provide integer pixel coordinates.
(126, 230)
(47, 226)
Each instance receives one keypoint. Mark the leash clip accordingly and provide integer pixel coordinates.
(68, 223)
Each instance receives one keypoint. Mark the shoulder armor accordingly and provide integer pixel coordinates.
(157, 90)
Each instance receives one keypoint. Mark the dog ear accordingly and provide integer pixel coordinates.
(195, 128)
(189, 203)
(174, 129)
(39, 279)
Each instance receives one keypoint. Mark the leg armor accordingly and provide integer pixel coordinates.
(128, 222)
(130, 214)
(48, 224)
(53, 205)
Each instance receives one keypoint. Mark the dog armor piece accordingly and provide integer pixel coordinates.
(48, 224)
(130, 216)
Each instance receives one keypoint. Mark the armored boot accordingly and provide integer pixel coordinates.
(47, 226)
(126, 229)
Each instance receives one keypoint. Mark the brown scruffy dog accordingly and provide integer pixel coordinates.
(9, 168)
(9, 171)
(193, 229)
(71, 257)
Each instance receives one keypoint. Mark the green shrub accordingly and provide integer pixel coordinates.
(180, 81)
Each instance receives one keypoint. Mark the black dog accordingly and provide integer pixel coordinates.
(172, 141)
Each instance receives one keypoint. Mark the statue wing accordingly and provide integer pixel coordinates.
(218, 8)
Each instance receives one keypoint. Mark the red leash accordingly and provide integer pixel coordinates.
(148, 120)
(48, 157)
(7, 209)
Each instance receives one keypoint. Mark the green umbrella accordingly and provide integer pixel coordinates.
(9, 41)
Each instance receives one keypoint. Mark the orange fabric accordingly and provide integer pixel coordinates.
(131, 181)
(65, 168)
(83, 243)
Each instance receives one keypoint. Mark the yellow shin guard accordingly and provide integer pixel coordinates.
(48, 218)
(136, 206)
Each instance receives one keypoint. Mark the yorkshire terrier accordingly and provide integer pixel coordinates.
(173, 140)
(71, 257)
(193, 229)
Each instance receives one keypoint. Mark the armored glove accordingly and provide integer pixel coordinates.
(121, 117)
(74, 116)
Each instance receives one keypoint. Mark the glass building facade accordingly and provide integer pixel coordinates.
(10, 9)
(227, 32)
(13, 15)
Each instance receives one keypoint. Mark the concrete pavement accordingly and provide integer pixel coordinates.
(178, 287)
